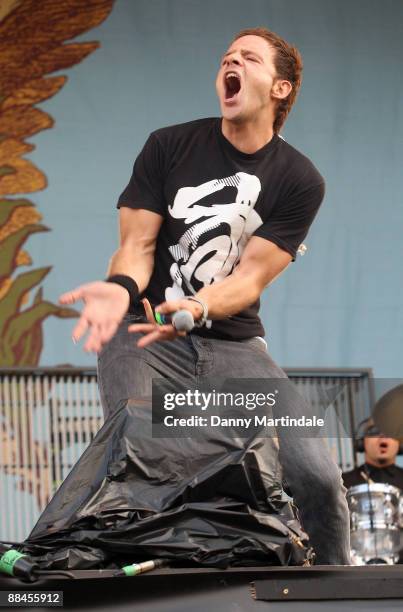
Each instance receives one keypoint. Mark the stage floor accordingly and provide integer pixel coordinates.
(318, 588)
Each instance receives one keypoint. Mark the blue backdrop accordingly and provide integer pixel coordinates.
(342, 303)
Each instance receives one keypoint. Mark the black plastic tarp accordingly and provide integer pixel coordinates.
(214, 500)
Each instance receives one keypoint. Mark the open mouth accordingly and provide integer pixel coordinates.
(383, 446)
(232, 84)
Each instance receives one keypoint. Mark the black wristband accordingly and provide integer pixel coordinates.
(128, 283)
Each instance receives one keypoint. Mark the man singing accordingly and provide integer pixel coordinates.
(214, 211)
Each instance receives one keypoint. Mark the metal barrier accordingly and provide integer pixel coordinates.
(48, 416)
(351, 397)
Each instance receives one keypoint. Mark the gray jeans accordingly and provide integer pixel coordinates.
(126, 371)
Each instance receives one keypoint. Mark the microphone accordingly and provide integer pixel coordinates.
(182, 320)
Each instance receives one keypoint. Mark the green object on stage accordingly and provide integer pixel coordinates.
(8, 561)
(132, 570)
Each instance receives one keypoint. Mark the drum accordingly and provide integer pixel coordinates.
(375, 523)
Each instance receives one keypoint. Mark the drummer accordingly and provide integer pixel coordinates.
(380, 459)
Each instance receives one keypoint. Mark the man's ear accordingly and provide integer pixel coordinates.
(281, 89)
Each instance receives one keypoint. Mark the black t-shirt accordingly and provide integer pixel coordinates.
(391, 474)
(213, 199)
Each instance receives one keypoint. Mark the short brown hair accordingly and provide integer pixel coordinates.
(288, 64)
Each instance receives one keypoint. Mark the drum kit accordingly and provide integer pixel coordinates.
(376, 523)
(376, 509)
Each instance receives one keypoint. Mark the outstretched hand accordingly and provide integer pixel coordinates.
(158, 333)
(105, 305)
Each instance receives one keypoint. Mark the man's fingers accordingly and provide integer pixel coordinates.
(71, 296)
(108, 330)
(142, 327)
(98, 336)
(149, 311)
(150, 327)
(93, 343)
(80, 329)
(168, 307)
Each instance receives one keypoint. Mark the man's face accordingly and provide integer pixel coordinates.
(380, 450)
(245, 79)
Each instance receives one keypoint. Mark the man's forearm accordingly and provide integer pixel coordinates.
(261, 263)
(138, 265)
(231, 295)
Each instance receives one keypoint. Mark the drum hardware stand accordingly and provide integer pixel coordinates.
(371, 518)
(367, 478)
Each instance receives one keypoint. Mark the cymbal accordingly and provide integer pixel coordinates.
(388, 413)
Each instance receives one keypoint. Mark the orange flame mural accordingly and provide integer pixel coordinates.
(33, 37)
(32, 45)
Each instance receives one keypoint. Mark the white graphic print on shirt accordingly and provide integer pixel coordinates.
(230, 225)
